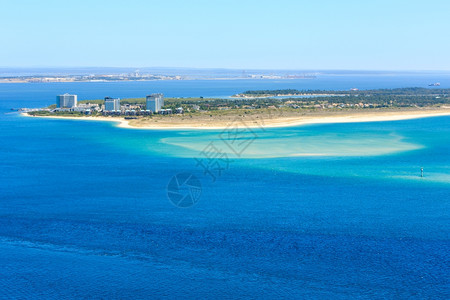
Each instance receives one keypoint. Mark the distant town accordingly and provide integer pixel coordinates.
(88, 78)
(140, 76)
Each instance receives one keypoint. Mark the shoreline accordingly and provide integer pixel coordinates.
(243, 96)
(329, 118)
(184, 79)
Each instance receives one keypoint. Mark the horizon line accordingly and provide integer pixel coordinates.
(223, 68)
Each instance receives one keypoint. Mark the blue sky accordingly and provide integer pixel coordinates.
(281, 34)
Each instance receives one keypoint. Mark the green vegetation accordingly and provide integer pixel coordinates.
(43, 113)
(414, 91)
(312, 101)
(274, 92)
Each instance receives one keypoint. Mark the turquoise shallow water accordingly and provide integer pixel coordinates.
(84, 211)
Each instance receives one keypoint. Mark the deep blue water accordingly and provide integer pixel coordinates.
(84, 211)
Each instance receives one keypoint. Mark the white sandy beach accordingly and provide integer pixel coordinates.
(252, 122)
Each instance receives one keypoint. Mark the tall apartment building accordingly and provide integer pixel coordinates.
(155, 102)
(112, 104)
(66, 100)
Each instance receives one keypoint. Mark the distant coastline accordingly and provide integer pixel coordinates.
(138, 80)
(136, 76)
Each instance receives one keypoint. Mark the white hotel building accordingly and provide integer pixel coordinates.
(112, 104)
(155, 102)
(66, 101)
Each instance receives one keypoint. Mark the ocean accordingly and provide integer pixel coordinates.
(90, 210)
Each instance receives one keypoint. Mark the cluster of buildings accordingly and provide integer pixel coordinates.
(154, 104)
(134, 76)
(68, 102)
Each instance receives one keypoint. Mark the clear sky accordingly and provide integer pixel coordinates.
(277, 34)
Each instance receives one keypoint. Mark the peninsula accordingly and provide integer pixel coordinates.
(267, 109)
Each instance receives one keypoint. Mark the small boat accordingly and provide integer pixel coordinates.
(435, 84)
